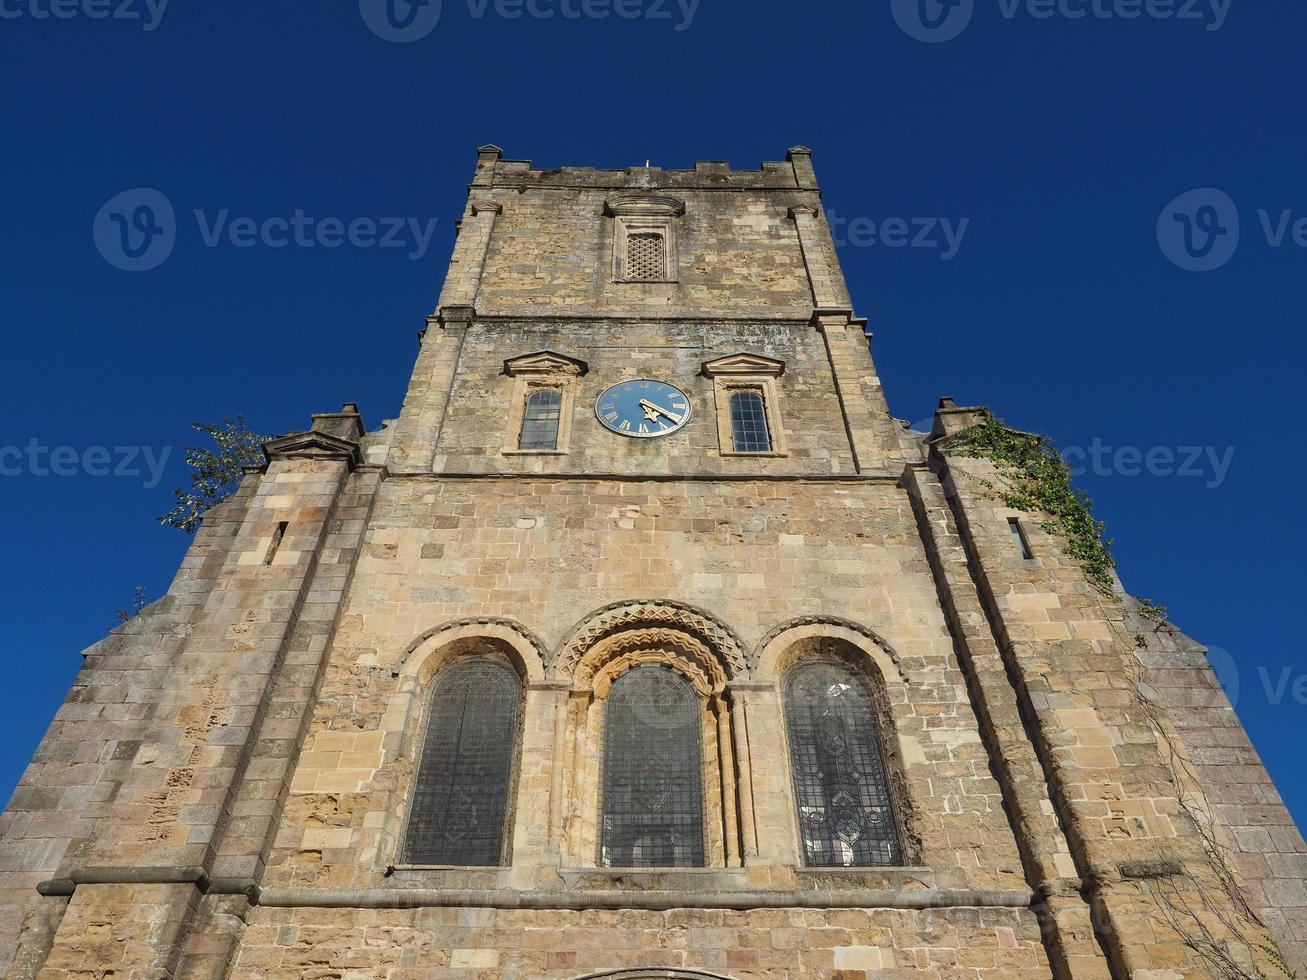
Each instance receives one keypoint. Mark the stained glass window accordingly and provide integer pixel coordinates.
(652, 780)
(540, 420)
(845, 815)
(749, 423)
(460, 799)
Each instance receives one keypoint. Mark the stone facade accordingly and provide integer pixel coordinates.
(227, 789)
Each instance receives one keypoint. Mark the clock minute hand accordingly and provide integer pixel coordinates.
(644, 403)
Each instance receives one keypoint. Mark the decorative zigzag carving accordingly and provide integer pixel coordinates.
(645, 613)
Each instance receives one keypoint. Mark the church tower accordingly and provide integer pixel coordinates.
(645, 643)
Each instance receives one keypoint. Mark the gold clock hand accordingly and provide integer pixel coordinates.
(660, 410)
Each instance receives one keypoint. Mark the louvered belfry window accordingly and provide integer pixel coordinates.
(646, 256)
(845, 814)
(462, 790)
(652, 780)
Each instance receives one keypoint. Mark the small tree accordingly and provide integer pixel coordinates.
(216, 473)
(138, 603)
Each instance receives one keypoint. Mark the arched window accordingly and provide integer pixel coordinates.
(461, 794)
(749, 431)
(652, 780)
(846, 818)
(540, 420)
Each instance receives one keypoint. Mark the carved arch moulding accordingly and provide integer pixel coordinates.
(767, 659)
(701, 628)
(527, 650)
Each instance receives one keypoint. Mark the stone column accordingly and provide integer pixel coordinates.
(557, 788)
(730, 822)
(580, 705)
(744, 765)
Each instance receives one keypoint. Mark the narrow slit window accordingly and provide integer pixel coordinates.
(646, 256)
(1019, 538)
(540, 421)
(749, 433)
(277, 535)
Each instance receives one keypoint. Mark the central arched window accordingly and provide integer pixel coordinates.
(652, 812)
(846, 818)
(462, 790)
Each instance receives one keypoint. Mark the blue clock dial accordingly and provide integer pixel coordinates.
(643, 408)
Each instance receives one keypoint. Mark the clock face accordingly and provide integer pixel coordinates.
(643, 408)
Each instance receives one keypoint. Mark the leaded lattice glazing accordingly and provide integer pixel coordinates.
(646, 256)
(845, 815)
(461, 792)
(540, 420)
(749, 423)
(652, 780)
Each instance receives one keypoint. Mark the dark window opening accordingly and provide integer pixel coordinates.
(461, 793)
(1019, 538)
(277, 537)
(652, 814)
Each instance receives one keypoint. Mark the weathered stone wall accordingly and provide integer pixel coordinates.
(91, 745)
(489, 944)
(1236, 794)
(1164, 899)
(545, 554)
(478, 420)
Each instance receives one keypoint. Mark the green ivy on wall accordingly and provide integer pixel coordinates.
(1037, 478)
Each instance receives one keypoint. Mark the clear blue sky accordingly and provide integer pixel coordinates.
(1061, 140)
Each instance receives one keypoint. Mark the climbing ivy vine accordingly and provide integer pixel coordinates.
(1037, 478)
